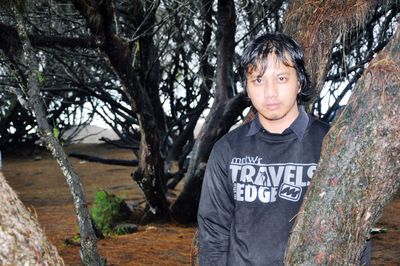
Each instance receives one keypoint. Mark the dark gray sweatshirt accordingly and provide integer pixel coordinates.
(252, 190)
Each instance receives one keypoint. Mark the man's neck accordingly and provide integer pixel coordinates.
(275, 127)
(278, 126)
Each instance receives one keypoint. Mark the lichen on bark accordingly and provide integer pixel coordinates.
(358, 172)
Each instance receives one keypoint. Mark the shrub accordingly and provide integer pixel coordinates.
(106, 210)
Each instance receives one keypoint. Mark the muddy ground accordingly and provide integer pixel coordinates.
(41, 186)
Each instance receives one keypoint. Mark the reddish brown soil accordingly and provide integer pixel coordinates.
(42, 188)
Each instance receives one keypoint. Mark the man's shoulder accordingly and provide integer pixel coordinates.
(234, 136)
(318, 126)
(224, 146)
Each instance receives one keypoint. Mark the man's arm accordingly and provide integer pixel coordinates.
(366, 254)
(215, 212)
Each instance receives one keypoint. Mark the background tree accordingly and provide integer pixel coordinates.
(228, 103)
(25, 68)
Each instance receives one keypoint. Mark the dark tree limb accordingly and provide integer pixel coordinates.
(10, 42)
(206, 72)
(96, 159)
(121, 146)
(121, 57)
(185, 207)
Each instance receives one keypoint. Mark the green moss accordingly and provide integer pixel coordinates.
(40, 77)
(106, 210)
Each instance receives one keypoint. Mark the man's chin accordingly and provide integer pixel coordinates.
(274, 117)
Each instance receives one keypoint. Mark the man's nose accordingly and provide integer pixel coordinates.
(270, 90)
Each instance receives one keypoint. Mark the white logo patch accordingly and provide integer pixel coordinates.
(254, 181)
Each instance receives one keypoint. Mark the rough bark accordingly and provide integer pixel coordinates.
(119, 53)
(22, 241)
(30, 89)
(358, 172)
(316, 25)
(150, 64)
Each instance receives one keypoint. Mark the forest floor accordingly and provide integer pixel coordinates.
(42, 187)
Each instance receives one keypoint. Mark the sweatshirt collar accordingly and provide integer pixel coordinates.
(298, 126)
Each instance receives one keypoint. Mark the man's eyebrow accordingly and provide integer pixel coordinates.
(255, 75)
(278, 73)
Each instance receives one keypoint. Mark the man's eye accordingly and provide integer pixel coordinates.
(258, 80)
(282, 79)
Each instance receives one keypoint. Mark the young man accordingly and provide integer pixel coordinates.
(257, 174)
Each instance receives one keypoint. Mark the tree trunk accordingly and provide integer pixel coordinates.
(22, 241)
(206, 71)
(317, 26)
(217, 124)
(222, 116)
(150, 64)
(150, 173)
(89, 253)
(358, 173)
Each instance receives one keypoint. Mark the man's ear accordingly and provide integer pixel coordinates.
(299, 86)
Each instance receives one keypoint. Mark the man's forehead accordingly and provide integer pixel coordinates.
(271, 61)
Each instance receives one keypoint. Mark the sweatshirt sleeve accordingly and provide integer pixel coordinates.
(215, 211)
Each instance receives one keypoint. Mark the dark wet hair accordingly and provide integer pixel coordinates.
(286, 49)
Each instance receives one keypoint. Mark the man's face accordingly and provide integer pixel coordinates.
(273, 94)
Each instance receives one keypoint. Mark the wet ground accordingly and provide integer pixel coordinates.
(41, 186)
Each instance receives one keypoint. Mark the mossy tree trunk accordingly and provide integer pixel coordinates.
(358, 173)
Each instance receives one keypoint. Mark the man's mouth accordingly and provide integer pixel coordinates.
(272, 106)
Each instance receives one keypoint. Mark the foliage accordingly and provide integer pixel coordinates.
(106, 210)
(40, 78)
(56, 132)
(123, 229)
(73, 241)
